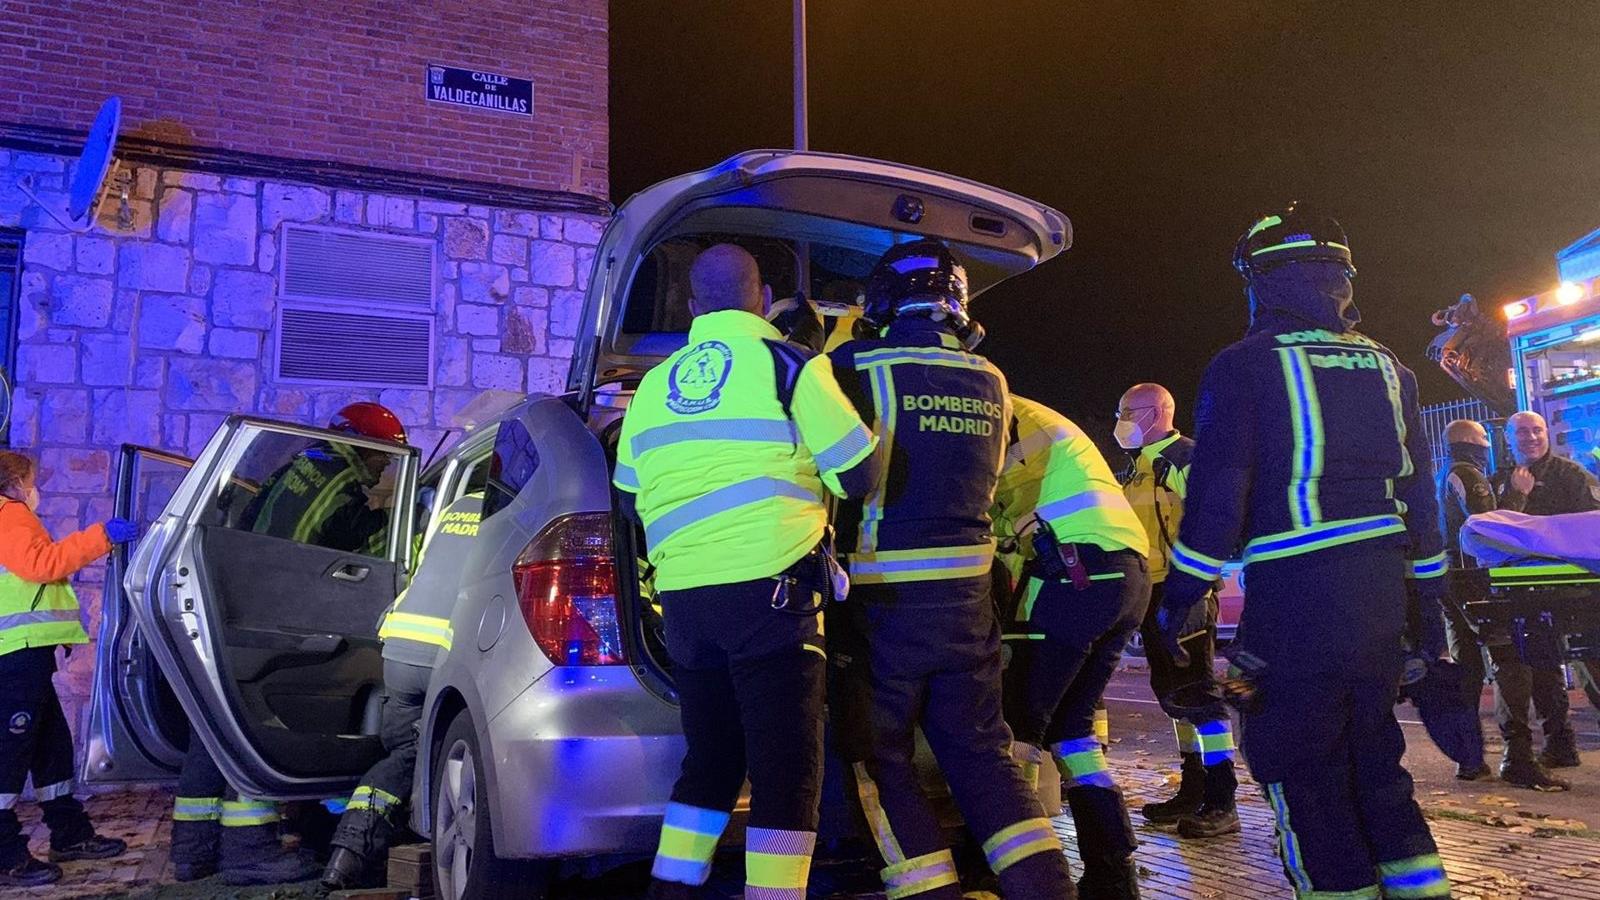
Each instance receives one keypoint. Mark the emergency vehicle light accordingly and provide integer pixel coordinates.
(1570, 292)
(1518, 309)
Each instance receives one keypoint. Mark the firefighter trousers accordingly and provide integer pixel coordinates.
(750, 693)
(1325, 745)
(1519, 685)
(373, 813)
(1059, 677)
(35, 744)
(934, 651)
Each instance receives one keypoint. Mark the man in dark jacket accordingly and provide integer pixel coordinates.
(1540, 484)
(1309, 453)
(1464, 490)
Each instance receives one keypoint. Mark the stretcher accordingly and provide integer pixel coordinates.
(1537, 583)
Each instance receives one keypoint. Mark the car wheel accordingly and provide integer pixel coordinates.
(464, 864)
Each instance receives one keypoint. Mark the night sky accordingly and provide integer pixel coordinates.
(1459, 145)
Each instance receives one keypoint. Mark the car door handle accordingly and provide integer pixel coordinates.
(351, 572)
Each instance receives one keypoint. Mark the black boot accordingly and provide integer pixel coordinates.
(345, 870)
(251, 854)
(29, 872)
(92, 847)
(1118, 884)
(1560, 751)
(1528, 773)
(1191, 793)
(1520, 769)
(1216, 815)
(195, 845)
(1105, 842)
(360, 847)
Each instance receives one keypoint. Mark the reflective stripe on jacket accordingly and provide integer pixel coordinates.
(941, 413)
(1156, 483)
(417, 626)
(729, 487)
(1308, 439)
(38, 608)
(320, 498)
(1053, 471)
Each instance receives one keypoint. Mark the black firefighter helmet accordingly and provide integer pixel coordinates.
(1291, 235)
(921, 277)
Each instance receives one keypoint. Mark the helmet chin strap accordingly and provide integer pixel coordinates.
(970, 335)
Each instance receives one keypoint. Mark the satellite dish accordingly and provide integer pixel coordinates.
(89, 177)
(94, 164)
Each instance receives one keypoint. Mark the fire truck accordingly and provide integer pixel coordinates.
(1539, 353)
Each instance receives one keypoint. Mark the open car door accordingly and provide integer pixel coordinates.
(259, 591)
(137, 730)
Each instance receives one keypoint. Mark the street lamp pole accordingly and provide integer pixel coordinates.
(801, 129)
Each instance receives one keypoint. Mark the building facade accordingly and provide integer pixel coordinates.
(308, 209)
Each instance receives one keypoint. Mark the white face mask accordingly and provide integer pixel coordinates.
(1130, 434)
(32, 499)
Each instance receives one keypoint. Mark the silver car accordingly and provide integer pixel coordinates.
(550, 731)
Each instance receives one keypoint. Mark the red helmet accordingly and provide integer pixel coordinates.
(373, 420)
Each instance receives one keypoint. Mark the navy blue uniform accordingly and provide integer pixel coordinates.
(920, 549)
(1310, 462)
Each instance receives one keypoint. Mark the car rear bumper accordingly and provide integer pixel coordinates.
(584, 764)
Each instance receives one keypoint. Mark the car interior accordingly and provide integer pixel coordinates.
(298, 613)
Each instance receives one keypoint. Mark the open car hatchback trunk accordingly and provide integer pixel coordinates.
(816, 224)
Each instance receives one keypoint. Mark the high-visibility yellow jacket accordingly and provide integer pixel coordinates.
(1156, 484)
(729, 487)
(38, 608)
(1054, 472)
(417, 626)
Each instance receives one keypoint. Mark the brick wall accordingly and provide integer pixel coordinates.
(152, 334)
(312, 79)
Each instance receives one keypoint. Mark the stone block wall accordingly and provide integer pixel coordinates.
(153, 333)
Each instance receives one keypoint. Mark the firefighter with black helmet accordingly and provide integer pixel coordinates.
(1311, 462)
(920, 550)
(323, 497)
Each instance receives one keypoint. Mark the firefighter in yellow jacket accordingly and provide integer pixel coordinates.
(726, 451)
(1085, 586)
(38, 612)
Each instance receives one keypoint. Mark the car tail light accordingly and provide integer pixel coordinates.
(567, 589)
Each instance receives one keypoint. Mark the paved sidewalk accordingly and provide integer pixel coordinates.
(1493, 850)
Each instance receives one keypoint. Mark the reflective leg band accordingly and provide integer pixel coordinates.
(52, 791)
(1288, 844)
(918, 876)
(689, 838)
(242, 813)
(1418, 876)
(1082, 761)
(1028, 759)
(1366, 893)
(1102, 727)
(777, 863)
(196, 809)
(1216, 741)
(882, 834)
(378, 801)
(1013, 844)
(1188, 738)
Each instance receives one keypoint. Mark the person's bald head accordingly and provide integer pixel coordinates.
(1466, 431)
(1150, 406)
(726, 276)
(1529, 437)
